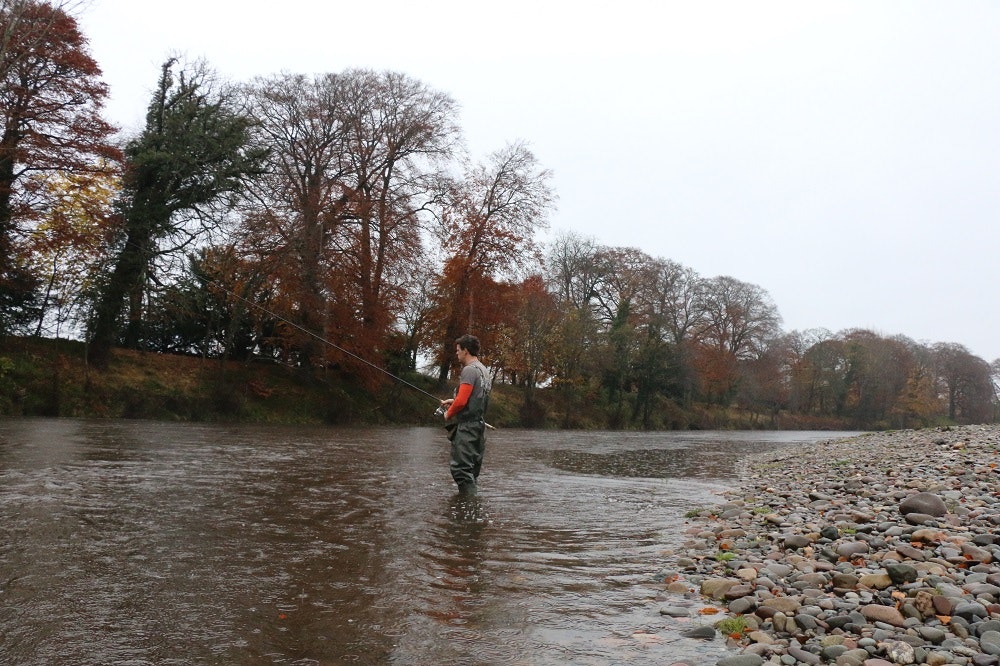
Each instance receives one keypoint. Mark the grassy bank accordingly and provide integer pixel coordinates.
(42, 377)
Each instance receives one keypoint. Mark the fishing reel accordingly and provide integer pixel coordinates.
(439, 411)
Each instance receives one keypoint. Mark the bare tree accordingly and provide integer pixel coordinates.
(740, 318)
(303, 194)
(357, 158)
(574, 269)
(488, 230)
(967, 383)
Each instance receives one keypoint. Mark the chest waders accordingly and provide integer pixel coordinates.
(467, 433)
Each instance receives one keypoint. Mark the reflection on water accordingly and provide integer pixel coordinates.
(152, 543)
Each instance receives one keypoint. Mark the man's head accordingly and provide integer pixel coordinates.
(469, 343)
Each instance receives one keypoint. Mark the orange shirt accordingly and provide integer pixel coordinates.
(461, 400)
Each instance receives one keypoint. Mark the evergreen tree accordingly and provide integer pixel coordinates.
(193, 155)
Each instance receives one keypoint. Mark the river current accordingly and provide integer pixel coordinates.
(133, 543)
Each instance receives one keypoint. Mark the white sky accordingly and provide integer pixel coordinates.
(844, 156)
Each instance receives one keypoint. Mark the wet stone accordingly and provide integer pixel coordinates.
(741, 660)
(703, 632)
(675, 611)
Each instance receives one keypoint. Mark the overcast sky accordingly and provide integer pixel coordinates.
(844, 156)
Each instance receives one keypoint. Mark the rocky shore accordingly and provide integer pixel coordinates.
(875, 550)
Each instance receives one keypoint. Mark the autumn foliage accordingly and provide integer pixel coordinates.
(51, 98)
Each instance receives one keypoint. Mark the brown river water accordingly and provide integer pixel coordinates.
(133, 543)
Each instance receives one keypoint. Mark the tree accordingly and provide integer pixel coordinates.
(574, 269)
(488, 230)
(820, 376)
(194, 153)
(401, 137)
(673, 311)
(15, 14)
(739, 320)
(919, 403)
(877, 372)
(69, 245)
(355, 160)
(524, 346)
(302, 194)
(967, 383)
(51, 97)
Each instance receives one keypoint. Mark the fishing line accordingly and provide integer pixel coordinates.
(440, 410)
(325, 341)
(266, 311)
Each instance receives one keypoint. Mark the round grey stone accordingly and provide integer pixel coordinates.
(704, 631)
(927, 503)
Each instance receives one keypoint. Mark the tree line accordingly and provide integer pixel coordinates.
(320, 219)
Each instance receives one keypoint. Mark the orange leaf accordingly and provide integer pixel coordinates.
(708, 610)
(945, 619)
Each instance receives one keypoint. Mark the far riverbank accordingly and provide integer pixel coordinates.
(52, 378)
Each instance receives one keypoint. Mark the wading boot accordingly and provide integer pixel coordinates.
(467, 489)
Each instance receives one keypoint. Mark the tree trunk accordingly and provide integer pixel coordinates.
(124, 279)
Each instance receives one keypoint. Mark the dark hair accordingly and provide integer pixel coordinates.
(469, 343)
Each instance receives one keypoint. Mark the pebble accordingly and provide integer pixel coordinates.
(877, 549)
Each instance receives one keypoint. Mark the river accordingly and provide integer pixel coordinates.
(132, 543)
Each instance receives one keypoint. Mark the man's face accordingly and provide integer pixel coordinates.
(461, 354)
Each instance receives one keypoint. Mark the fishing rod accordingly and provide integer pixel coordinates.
(438, 412)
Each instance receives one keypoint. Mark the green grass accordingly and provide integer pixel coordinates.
(732, 625)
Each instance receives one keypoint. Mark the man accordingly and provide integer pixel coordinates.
(466, 414)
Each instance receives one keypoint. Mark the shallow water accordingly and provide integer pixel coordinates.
(126, 542)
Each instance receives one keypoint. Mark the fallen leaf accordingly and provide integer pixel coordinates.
(708, 610)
